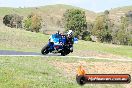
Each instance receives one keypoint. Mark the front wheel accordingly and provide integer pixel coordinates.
(44, 50)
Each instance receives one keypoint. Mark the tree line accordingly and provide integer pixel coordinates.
(31, 23)
(103, 29)
(107, 31)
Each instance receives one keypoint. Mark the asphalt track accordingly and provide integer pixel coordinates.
(10, 52)
(20, 53)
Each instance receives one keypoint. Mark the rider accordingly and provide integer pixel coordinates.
(70, 39)
(69, 36)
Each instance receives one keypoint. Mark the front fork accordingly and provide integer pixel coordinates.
(51, 46)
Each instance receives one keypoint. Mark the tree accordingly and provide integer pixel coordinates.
(13, 20)
(124, 35)
(33, 23)
(102, 28)
(75, 19)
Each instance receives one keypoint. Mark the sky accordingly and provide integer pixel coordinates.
(93, 5)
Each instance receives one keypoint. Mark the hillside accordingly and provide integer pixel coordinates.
(21, 40)
(51, 14)
(116, 13)
(56, 71)
(52, 72)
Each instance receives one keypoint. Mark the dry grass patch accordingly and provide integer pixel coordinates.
(69, 69)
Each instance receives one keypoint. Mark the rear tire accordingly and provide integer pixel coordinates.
(63, 53)
(44, 50)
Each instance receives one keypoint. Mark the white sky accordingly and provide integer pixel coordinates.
(94, 5)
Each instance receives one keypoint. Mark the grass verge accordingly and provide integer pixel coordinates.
(38, 72)
(21, 40)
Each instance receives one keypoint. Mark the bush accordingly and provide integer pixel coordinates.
(102, 28)
(130, 41)
(124, 34)
(86, 36)
(13, 20)
(33, 23)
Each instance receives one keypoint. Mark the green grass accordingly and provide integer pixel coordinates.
(21, 40)
(37, 72)
(105, 48)
(29, 72)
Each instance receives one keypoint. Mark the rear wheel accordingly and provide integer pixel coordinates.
(44, 50)
(63, 53)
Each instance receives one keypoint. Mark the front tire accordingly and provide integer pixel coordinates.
(44, 50)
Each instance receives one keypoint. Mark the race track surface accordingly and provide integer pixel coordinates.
(10, 52)
(20, 53)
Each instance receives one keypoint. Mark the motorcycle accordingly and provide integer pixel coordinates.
(58, 44)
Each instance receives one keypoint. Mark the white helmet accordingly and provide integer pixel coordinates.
(70, 32)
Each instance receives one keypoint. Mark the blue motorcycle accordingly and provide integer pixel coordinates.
(58, 44)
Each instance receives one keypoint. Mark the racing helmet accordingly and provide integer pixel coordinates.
(70, 33)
